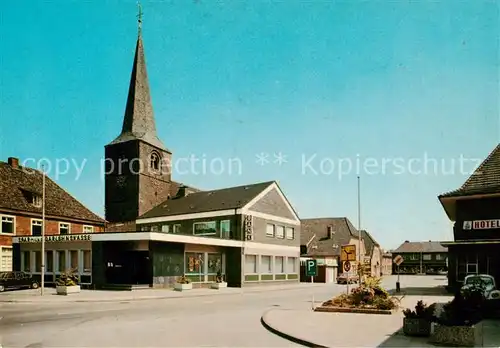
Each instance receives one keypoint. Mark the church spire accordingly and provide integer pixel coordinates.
(139, 121)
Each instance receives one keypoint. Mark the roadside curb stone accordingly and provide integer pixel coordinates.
(293, 338)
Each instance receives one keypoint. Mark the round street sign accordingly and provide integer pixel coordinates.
(347, 266)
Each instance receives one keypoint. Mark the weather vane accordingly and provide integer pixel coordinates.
(139, 16)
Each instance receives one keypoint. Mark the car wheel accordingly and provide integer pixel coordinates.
(34, 285)
(2, 288)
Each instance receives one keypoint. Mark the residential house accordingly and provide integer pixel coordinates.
(322, 239)
(21, 216)
(373, 255)
(475, 210)
(421, 257)
(387, 261)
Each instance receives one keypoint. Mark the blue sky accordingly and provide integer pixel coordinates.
(387, 81)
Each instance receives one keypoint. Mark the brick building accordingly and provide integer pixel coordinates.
(21, 211)
(474, 209)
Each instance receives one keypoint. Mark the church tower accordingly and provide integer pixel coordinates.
(137, 164)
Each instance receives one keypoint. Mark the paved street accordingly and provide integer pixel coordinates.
(231, 320)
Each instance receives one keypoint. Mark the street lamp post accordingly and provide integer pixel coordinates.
(359, 230)
(43, 233)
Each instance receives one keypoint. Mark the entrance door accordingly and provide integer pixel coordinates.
(141, 267)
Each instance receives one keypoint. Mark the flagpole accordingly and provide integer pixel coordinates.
(359, 229)
(43, 232)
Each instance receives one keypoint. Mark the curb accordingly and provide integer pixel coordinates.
(286, 336)
(215, 293)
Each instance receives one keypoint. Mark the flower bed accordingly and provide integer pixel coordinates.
(369, 298)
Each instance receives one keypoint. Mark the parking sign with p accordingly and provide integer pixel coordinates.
(311, 268)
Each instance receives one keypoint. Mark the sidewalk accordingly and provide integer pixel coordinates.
(317, 329)
(50, 296)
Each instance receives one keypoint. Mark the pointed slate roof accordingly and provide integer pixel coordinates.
(139, 121)
(485, 179)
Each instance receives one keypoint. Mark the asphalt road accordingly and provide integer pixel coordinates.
(210, 321)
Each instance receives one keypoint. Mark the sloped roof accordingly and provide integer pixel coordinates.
(485, 179)
(17, 185)
(322, 245)
(421, 247)
(206, 201)
(369, 242)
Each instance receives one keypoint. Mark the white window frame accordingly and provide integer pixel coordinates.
(13, 224)
(413, 257)
(37, 201)
(33, 224)
(83, 261)
(283, 265)
(65, 223)
(273, 234)
(6, 247)
(88, 227)
(256, 268)
(468, 263)
(282, 229)
(176, 228)
(155, 228)
(291, 235)
(205, 223)
(263, 269)
(165, 228)
(427, 257)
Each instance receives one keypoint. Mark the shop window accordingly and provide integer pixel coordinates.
(225, 229)
(87, 261)
(292, 265)
(214, 263)
(61, 258)
(279, 264)
(49, 261)
(38, 261)
(266, 264)
(194, 263)
(73, 257)
(250, 264)
(26, 266)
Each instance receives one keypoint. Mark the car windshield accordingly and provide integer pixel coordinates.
(482, 281)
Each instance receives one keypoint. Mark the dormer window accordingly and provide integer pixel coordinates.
(36, 200)
(154, 162)
(330, 232)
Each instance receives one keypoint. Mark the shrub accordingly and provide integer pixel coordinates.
(385, 303)
(68, 278)
(219, 278)
(183, 280)
(421, 311)
(464, 310)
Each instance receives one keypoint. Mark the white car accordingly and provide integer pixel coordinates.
(484, 281)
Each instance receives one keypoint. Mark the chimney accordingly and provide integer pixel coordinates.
(407, 241)
(13, 162)
(181, 192)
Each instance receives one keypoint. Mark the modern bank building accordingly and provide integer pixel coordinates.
(156, 229)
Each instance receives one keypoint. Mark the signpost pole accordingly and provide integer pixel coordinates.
(398, 284)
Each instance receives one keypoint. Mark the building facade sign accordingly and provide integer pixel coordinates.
(56, 238)
(481, 224)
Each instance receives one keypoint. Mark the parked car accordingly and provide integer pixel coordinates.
(17, 280)
(484, 281)
(345, 278)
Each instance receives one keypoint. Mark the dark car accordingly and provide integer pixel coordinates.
(17, 280)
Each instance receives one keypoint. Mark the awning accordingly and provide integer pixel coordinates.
(471, 242)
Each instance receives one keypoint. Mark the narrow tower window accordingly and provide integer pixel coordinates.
(155, 161)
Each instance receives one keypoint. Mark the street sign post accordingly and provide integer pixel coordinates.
(398, 260)
(311, 269)
(347, 266)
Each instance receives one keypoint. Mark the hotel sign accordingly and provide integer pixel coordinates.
(56, 238)
(482, 224)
